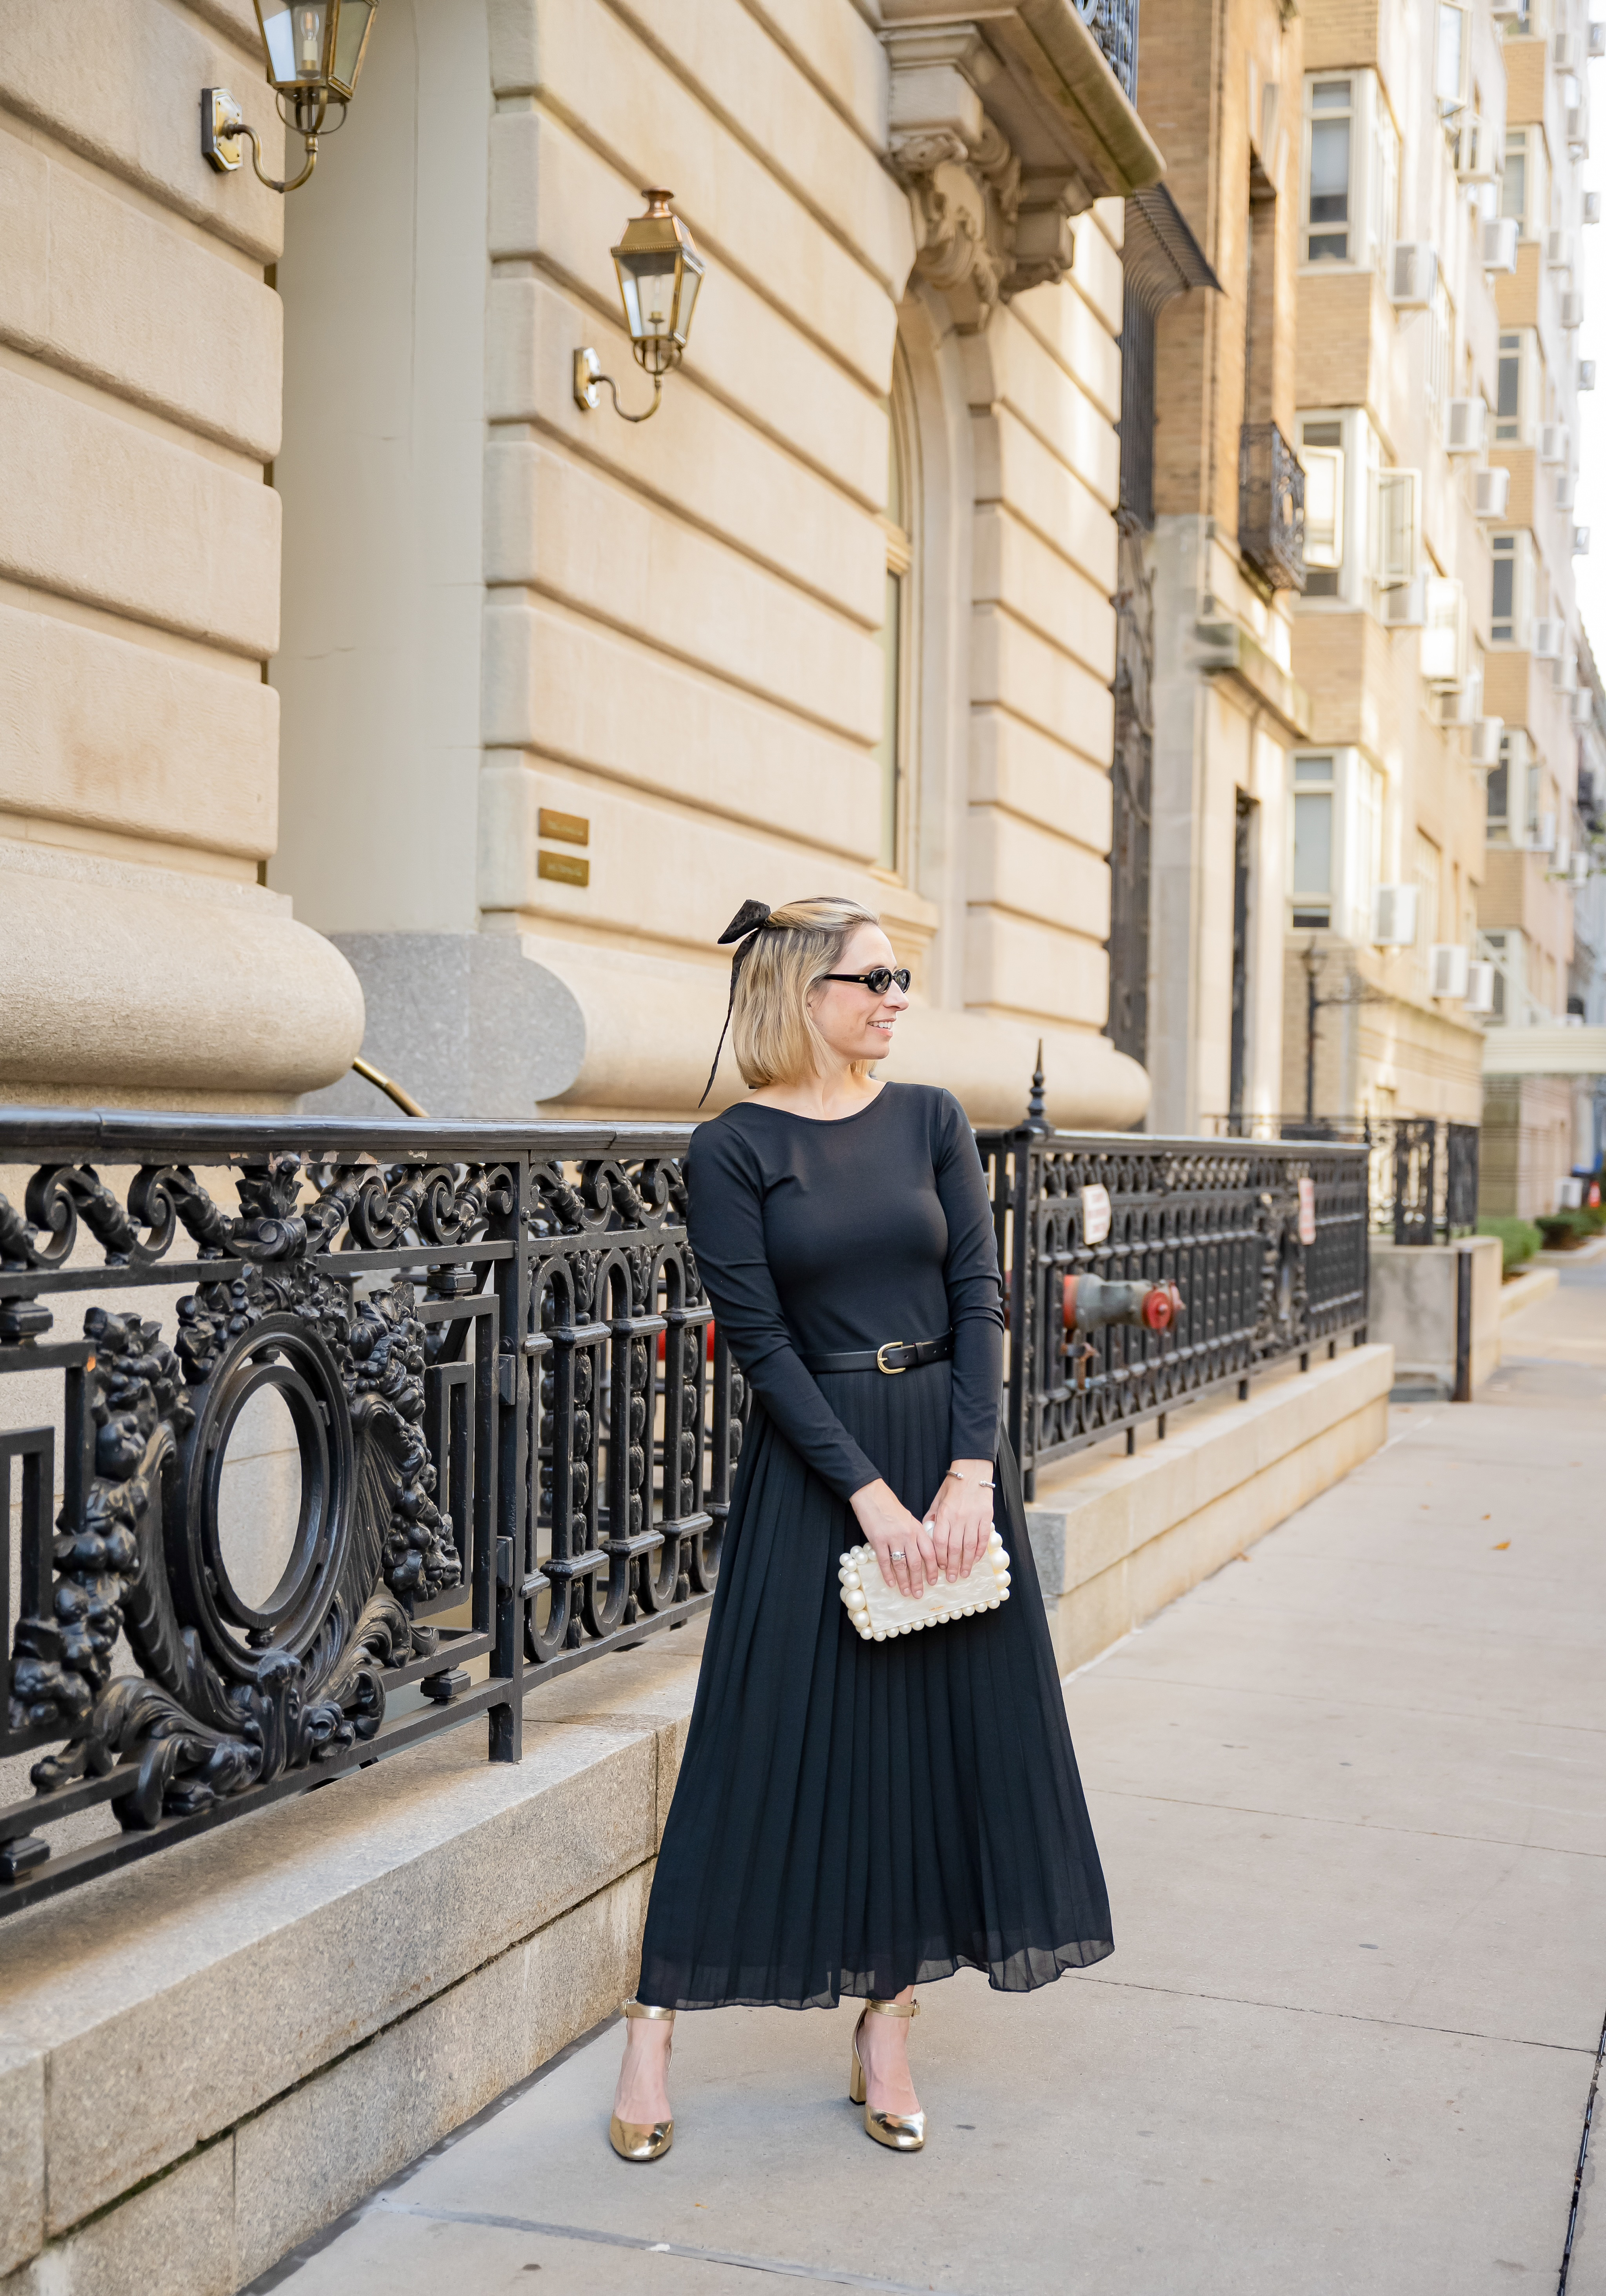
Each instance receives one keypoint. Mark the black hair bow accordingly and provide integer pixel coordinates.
(743, 929)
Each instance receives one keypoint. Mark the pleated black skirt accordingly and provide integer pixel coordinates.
(855, 1817)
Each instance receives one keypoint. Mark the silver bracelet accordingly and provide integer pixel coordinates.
(954, 1474)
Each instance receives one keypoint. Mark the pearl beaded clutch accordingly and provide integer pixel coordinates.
(879, 1610)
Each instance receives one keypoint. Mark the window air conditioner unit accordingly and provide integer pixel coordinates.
(1547, 636)
(1483, 749)
(1581, 542)
(1563, 53)
(1491, 491)
(1583, 705)
(1504, 10)
(1480, 987)
(1586, 374)
(1476, 160)
(1597, 40)
(1465, 425)
(1572, 310)
(1557, 250)
(1545, 833)
(1591, 199)
(1463, 704)
(1565, 675)
(1567, 490)
(1393, 916)
(1577, 130)
(1406, 608)
(1448, 961)
(1499, 241)
(1553, 442)
(1412, 275)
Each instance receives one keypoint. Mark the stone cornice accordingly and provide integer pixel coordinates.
(1004, 121)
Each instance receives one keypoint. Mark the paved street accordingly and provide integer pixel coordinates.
(1351, 1795)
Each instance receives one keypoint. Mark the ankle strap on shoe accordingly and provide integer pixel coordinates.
(894, 2008)
(645, 2009)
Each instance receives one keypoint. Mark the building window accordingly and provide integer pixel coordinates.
(1429, 868)
(1322, 452)
(1328, 218)
(1450, 65)
(1385, 180)
(1498, 785)
(891, 752)
(1503, 604)
(1311, 881)
(1441, 342)
(1514, 184)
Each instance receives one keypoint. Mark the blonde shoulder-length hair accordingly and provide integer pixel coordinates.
(772, 1028)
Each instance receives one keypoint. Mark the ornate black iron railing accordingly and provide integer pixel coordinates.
(1113, 23)
(1421, 1170)
(1271, 506)
(1266, 1241)
(504, 1441)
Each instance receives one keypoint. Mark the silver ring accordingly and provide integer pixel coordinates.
(897, 1555)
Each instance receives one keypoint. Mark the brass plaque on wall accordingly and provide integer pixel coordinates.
(568, 828)
(564, 868)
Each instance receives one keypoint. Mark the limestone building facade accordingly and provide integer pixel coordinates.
(1541, 797)
(142, 958)
(1211, 512)
(499, 705)
(1437, 635)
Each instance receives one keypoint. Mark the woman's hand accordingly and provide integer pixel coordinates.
(904, 1547)
(960, 1515)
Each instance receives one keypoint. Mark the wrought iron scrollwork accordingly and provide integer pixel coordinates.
(1266, 1243)
(509, 1436)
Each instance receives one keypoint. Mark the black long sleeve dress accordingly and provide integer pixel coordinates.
(855, 1817)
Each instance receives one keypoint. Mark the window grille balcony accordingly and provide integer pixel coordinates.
(1271, 506)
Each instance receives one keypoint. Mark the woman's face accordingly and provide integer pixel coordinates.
(855, 1023)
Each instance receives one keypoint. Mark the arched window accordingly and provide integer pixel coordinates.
(898, 625)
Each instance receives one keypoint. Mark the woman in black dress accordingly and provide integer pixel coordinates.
(855, 1816)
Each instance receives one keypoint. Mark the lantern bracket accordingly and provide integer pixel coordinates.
(588, 380)
(222, 126)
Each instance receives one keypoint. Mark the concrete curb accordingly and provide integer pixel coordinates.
(1527, 1290)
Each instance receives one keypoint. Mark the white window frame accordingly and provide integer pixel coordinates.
(1452, 18)
(1521, 557)
(1373, 222)
(1518, 430)
(1359, 454)
(1359, 790)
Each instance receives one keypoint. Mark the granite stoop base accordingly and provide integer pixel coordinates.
(208, 2057)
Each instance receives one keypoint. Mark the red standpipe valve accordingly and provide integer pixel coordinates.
(1092, 1302)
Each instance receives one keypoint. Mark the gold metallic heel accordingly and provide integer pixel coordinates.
(635, 2140)
(900, 2132)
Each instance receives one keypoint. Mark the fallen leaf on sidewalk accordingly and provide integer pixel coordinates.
(1500, 1547)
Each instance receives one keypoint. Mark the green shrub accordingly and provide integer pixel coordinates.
(1518, 1241)
(1565, 1231)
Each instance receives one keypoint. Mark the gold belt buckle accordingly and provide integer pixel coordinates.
(893, 1371)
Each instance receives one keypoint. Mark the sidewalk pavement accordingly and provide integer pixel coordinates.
(1352, 1803)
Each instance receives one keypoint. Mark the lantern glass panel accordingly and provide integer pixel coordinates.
(691, 279)
(647, 284)
(354, 20)
(298, 40)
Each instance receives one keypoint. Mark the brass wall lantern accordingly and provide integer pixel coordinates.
(314, 51)
(659, 272)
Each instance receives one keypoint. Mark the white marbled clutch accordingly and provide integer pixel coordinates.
(879, 1610)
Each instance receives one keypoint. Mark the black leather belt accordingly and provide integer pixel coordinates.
(891, 1356)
